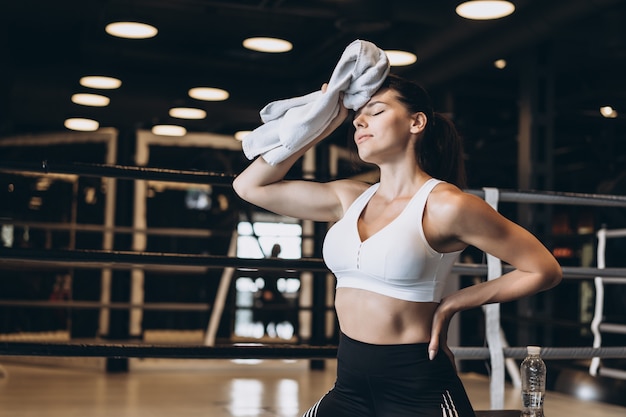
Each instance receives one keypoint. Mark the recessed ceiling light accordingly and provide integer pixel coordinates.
(169, 130)
(83, 125)
(608, 112)
(187, 113)
(208, 94)
(242, 134)
(500, 63)
(485, 9)
(131, 30)
(101, 82)
(94, 100)
(400, 58)
(271, 45)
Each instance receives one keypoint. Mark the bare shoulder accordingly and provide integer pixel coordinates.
(447, 200)
(452, 215)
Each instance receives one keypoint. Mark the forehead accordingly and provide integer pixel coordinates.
(386, 96)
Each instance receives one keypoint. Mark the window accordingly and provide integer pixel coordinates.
(266, 300)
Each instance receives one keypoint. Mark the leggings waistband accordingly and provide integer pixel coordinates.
(368, 358)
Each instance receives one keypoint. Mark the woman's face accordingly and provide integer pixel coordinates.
(384, 129)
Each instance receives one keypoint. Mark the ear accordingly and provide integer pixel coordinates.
(418, 122)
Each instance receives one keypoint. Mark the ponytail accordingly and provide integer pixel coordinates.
(440, 151)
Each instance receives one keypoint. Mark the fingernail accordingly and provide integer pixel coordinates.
(431, 354)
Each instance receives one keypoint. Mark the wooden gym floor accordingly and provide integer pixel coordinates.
(55, 387)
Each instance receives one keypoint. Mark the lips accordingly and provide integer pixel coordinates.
(360, 138)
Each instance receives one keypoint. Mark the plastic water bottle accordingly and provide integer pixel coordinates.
(533, 374)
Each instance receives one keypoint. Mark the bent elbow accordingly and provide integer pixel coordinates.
(237, 187)
(240, 188)
(248, 191)
(553, 277)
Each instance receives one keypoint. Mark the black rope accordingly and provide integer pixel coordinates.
(126, 260)
(260, 351)
(121, 259)
(120, 172)
(553, 197)
(219, 179)
(252, 351)
(93, 305)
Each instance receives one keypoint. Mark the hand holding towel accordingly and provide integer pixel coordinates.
(290, 124)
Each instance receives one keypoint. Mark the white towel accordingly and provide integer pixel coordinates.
(290, 124)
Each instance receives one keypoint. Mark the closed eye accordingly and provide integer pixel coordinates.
(369, 107)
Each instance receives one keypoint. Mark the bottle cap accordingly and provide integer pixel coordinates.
(533, 350)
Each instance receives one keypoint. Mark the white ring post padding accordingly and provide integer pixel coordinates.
(494, 270)
(492, 322)
(599, 307)
(495, 336)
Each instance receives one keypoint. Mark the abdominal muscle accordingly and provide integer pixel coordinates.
(374, 318)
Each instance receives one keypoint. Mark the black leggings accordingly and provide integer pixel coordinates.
(392, 381)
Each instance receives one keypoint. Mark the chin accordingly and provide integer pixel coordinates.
(367, 157)
(363, 157)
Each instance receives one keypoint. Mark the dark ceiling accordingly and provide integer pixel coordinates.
(580, 45)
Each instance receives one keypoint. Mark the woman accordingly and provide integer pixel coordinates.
(392, 246)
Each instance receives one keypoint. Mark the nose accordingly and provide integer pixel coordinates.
(358, 121)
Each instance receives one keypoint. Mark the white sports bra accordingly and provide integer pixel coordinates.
(396, 261)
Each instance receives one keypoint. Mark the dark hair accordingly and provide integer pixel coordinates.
(439, 151)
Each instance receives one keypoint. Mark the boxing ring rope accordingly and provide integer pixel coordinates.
(125, 260)
(97, 228)
(207, 177)
(261, 351)
(113, 305)
(128, 259)
(147, 260)
(118, 171)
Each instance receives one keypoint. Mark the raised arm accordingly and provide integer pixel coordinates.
(264, 185)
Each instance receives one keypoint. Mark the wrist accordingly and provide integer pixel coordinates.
(447, 307)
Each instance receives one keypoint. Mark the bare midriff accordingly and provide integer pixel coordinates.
(374, 318)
